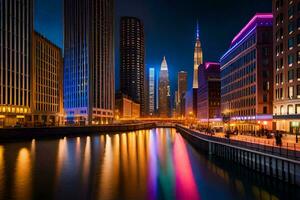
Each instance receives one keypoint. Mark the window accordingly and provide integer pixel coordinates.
(291, 92)
(265, 109)
(291, 27)
(291, 75)
(298, 91)
(291, 43)
(297, 110)
(298, 57)
(291, 11)
(290, 59)
(298, 74)
(265, 98)
(290, 110)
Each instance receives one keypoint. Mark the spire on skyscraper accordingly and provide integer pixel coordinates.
(164, 65)
(197, 31)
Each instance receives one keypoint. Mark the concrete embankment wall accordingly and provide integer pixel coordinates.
(12, 134)
(282, 168)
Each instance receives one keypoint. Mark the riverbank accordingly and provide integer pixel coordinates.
(14, 134)
(277, 166)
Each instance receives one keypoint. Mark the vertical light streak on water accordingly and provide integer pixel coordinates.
(86, 164)
(166, 171)
(23, 175)
(2, 172)
(153, 167)
(186, 187)
(106, 190)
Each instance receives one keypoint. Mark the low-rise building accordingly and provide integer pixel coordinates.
(126, 108)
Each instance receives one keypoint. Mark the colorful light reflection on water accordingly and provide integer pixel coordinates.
(153, 164)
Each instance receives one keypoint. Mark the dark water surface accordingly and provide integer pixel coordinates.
(153, 164)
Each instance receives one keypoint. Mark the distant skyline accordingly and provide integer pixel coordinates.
(170, 28)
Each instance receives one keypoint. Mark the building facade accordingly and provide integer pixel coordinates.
(89, 61)
(246, 76)
(209, 94)
(126, 108)
(152, 93)
(286, 40)
(15, 60)
(132, 60)
(47, 82)
(164, 107)
(182, 89)
(198, 58)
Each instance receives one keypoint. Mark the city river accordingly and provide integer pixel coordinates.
(150, 164)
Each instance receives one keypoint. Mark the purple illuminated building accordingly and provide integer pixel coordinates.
(209, 93)
(246, 76)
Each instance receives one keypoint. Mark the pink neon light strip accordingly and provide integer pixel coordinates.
(208, 64)
(257, 16)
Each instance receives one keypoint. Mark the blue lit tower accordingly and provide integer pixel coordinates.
(152, 90)
(89, 61)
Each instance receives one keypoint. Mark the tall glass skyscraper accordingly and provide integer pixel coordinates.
(89, 61)
(164, 90)
(152, 91)
(16, 29)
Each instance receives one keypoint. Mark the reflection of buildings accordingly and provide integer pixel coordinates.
(209, 93)
(132, 64)
(286, 61)
(246, 73)
(182, 88)
(15, 61)
(47, 77)
(126, 108)
(198, 58)
(89, 61)
(164, 90)
(152, 89)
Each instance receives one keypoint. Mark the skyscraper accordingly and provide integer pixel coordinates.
(198, 58)
(182, 89)
(286, 45)
(152, 91)
(89, 61)
(47, 82)
(132, 60)
(182, 84)
(164, 90)
(16, 29)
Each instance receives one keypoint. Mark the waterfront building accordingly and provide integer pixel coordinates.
(182, 88)
(246, 76)
(89, 61)
(15, 61)
(209, 94)
(47, 79)
(132, 60)
(152, 89)
(126, 108)
(190, 103)
(286, 30)
(164, 90)
(198, 58)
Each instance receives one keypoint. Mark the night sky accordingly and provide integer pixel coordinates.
(169, 27)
